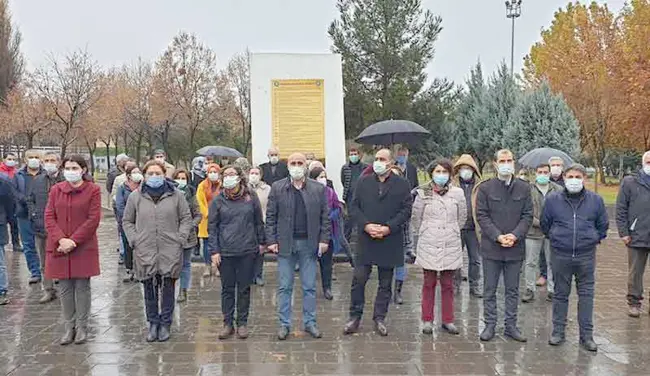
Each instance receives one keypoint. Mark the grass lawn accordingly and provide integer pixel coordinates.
(607, 192)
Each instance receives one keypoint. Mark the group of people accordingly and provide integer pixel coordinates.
(237, 212)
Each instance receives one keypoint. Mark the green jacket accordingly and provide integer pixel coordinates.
(535, 231)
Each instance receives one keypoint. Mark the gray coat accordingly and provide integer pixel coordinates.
(633, 210)
(157, 232)
(190, 196)
(503, 209)
(535, 230)
(280, 212)
(37, 200)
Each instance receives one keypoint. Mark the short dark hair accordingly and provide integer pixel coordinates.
(258, 168)
(577, 167)
(543, 165)
(315, 173)
(130, 169)
(10, 153)
(444, 162)
(158, 151)
(154, 162)
(76, 158)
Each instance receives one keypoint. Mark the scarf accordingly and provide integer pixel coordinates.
(440, 190)
(236, 193)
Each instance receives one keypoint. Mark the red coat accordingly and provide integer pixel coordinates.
(73, 213)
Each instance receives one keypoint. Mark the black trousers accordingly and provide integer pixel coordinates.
(236, 277)
(159, 291)
(128, 252)
(384, 291)
(326, 264)
(259, 266)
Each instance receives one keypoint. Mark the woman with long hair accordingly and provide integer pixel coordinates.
(72, 217)
(236, 230)
(133, 180)
(208, 189)
(183, 183)
(157, 223)
(439, 212)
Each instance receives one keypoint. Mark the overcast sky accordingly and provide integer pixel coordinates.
(119, 31)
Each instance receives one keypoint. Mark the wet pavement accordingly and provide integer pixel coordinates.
(29, 332)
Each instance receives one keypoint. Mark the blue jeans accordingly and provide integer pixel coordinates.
(307, 259)
(4, 284)
(29, 247)
(207, 257)
(470, 241)
(565, 268)
(186, 270)
(400, 273)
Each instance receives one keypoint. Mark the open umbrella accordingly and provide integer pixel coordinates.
(539, 156)
(389, 132)
(219, 151)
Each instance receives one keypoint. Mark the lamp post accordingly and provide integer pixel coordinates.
(513, 11)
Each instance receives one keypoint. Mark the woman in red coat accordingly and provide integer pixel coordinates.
(72, 254)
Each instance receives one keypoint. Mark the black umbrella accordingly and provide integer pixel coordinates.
(539, 156)
(219, 151)
(389, 132)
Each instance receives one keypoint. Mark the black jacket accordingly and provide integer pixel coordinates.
(235, 227)
(348, 181)
(468, 188)
(37, 200)
(281, 172)
(391, 208)
(633, 210)
(7, 201)
(280, 215)
(110, 177)
(411, 174)
(504, 209)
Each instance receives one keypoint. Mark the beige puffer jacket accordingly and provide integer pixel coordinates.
(435, 223)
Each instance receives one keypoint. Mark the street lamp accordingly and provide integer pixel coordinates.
(513, 11)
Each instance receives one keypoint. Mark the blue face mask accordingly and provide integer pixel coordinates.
(155, 181)
(440, 179)
(401, 159)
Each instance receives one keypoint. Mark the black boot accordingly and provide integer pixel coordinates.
(398, 292)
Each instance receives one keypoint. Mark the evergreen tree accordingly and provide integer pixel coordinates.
(543, 119)
(11, 59)
(503, 95)
(385, 46)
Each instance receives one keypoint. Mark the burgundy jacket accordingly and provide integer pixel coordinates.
(73, 213)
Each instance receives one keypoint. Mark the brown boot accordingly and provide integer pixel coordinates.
(226, 332)
(242, 332)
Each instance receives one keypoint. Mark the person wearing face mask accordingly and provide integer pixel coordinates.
(381, 207)
(181, 178)
(557, 170)
(208, 189)
(24, 179)
(72, 217)
(36, 203)
(523, 175)
(8, 169)
(297, 230)
(118, 181)
(275, 169)
(504, 213)
(113, 172)
(409, 171)
(536, 242)
(262, 191)
(236, 237)
(468, 177)
(197, 175)
(160, 156)
(350, 174)
(633, 222)
(6, 212)
(575, 221)
(336, 240)
(439, 212)
(157, 223)
(134, 178)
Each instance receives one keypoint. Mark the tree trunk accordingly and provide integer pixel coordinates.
(108, 155)
(30, 140)
(621, 166)
(138, 148)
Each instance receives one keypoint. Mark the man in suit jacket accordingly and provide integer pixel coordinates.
(275, 169)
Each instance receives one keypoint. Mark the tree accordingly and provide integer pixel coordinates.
(543, 119)
(11, 59)
(434, 109)
(578, 56)
(238, 78)
(186, 76)
(70, 88)
(385, 46)
(26, 113)
(471, 116)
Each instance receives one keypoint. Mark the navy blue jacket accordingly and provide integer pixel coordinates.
(24, 183)
(6, 201)
(574, 229)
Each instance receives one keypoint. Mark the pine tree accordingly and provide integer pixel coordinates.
(503, 95)
(543, 119)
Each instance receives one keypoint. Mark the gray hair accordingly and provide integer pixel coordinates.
(577, 167)
(121, 157)
(645, 155)
(550, 160)
(503, 151)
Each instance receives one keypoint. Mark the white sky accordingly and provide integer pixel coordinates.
(119, 31)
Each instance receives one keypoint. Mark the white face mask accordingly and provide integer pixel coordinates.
(274, 159)
(556, 171)
(379, 167)
(466, 173)
(297, 172)
(50, 167)
(254, 179)
(213, 176)
(33, 163)
(646, 169)
(506, 169)
(11, 163)
(72, 176)
(323, 181)
(230, 182)
(136, 177)
(573, 185)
